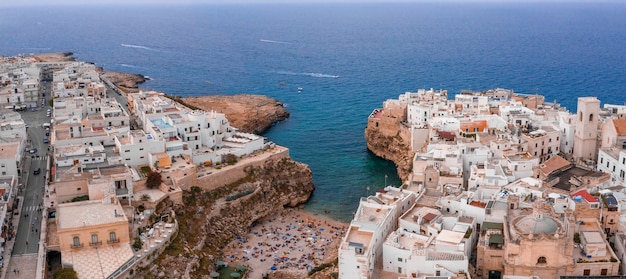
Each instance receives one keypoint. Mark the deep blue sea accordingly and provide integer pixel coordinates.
(378, 51)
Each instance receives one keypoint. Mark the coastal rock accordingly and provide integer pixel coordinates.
(54, 57)
(249, 113)
(389, 138)
(211, 219)
(126, 82)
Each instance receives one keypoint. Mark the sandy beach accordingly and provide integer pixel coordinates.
(293, 241)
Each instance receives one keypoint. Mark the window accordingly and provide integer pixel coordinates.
(400, 259)
(604, 271)
(128, 150)
(590, 117)
(76, 242)
(113, 238)
(94, 239)
(78, 189)
(541, 260)
(141, 149)
(586, 272)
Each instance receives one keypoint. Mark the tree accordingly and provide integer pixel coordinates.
(154, 180)
(66, 273)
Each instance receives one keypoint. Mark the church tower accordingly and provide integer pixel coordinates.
(586, 136)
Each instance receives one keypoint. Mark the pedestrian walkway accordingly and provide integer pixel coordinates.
(22, 266)
(31, 208)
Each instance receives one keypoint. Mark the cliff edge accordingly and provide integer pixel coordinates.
(209, 220)
(389, 138)
(249, 113)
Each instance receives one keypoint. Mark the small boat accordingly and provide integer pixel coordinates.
(300, 89)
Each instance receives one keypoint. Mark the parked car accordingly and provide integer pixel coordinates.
(37, 171)
(45, 140)
(32, 151)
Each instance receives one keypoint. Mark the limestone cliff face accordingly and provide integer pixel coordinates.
(249, 113)
(211, 219)
(389, 138)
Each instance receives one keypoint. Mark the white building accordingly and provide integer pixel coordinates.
(375, 219)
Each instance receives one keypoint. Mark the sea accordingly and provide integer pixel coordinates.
(348, 58)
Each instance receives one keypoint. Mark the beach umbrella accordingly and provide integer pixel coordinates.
(215, 274)
(273, 267)
(221, 263)
(235, 275)
(240, 267)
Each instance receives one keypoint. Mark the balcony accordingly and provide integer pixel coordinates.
(97, 243)
(113, 241)
(77, 246)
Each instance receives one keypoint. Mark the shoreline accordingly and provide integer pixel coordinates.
(293, 241)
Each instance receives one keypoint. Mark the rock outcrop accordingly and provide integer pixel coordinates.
(389, 138)
(126, 82)
(209, 220)
(249, 113)
(54, 57)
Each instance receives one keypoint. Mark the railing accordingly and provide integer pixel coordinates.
(95, 243)
(76, 246)
(111, 241)
(128, 264)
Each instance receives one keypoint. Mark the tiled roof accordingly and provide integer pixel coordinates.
(620, 126)
(480, 125)
(585, 195)
(553, 164)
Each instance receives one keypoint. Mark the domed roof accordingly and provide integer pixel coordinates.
(537, 224)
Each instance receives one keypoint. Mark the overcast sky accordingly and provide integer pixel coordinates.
(185, 2)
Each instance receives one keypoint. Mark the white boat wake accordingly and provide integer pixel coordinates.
(137, 46)
(274, 42)
(317, 75)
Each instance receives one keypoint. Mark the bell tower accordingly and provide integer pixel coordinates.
(586, 136)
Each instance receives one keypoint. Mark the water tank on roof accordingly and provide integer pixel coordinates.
(577, 198)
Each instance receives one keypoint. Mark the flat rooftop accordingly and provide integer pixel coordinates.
(88, 213)
(9, 150)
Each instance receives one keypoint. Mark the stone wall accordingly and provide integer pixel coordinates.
(230, 174)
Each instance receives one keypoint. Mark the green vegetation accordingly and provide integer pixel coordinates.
(145, 170)
(66, 273)
(81, 198)
(239, 195)
(577, 238)
(145, 197)
(137, 244)
(323, 266)
(154, 180)
(468, 233)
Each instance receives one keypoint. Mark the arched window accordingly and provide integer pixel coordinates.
(590, 117)
(94, 238)
(76, 241)
(541, 260)
(112, 237)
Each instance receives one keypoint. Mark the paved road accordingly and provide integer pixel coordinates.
(27, 237)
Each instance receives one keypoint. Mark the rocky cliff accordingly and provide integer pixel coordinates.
(249, 113)
(211, 219)
(389, 138)
(124, 81)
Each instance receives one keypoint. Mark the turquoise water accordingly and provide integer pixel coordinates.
(347, 58)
